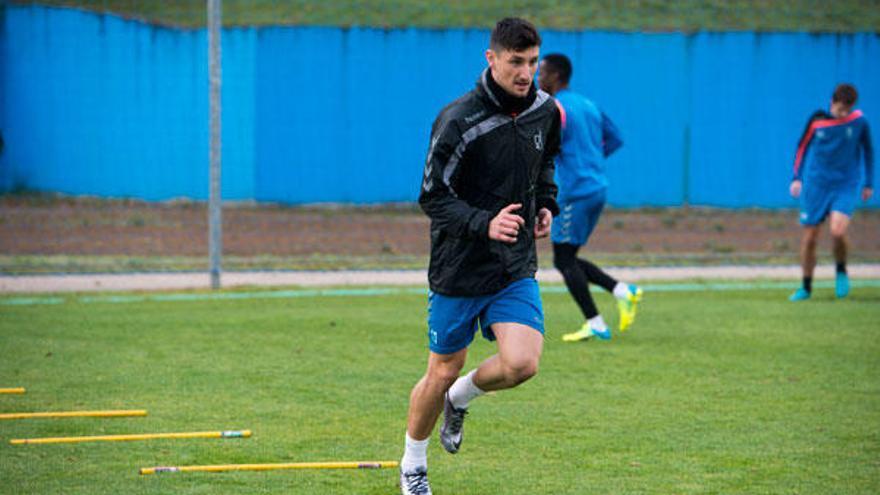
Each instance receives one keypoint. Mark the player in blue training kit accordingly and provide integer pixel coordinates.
(827, 179)
(588, 138)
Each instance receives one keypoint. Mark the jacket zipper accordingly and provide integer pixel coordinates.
(506, 250)
(521, 175)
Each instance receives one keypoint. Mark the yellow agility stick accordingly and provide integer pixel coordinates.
(74, 414)
(143, 436)
(16, 390)
(269, 467)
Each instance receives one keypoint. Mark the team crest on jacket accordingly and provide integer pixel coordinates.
(539, 141)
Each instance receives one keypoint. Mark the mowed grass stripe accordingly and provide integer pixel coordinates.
(387, 291)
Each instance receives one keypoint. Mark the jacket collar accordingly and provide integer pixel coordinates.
(501, 99)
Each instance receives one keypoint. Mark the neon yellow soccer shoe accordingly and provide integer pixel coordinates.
(586, 333)
(628, 307)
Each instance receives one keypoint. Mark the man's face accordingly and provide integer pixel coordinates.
(547, 79)
(514, 70)
(839, 109)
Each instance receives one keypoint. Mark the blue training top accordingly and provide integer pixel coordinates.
(830, 149)
(588, 137)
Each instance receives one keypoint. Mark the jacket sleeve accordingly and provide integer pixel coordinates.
(868, 150)
(545, 188)
(611, 139)
(438, 198)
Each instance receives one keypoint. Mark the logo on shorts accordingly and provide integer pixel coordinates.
(804, 215)
(433, 334)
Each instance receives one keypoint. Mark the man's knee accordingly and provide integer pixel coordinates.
(521, 370)
(564, 256)
(839, 224)
(838, 231)
(443, 375)
(563, 262)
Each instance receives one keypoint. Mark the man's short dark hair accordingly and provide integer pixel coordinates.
(846, 94)
(560, 65)
(513, 33)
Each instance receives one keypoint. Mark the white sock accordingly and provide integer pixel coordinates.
(621, 290)
(463, 391)
(597, 323)
(415, 455)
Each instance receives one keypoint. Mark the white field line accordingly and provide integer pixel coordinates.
(201, 280)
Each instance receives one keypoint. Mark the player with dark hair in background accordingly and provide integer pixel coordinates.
(588, 138)
(827, 179)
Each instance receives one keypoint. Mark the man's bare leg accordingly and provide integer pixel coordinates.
(425, 404)
(809, 240)
(519, 350)
(839, 226)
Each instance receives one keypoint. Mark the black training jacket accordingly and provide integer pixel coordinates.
(480, 160)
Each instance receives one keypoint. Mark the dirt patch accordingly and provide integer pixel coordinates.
(36, 227)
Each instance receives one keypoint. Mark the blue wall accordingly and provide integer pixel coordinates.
(93, 104)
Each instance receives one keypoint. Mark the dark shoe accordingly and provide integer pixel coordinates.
(451, 431)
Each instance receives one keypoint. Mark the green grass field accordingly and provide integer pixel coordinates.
(649, 15)
(725, 392)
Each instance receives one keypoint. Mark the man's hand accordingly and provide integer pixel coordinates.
(795, 188)
(867, 193)
(505, 226)
(542, 225)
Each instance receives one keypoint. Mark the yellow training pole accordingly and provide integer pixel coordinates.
(16, 390)
(143, 436)
(269, 467)
(74, 414)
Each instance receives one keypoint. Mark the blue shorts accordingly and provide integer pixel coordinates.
(452, 321)
(819, 200)
(577, 219)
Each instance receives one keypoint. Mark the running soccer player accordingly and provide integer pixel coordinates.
(827, 179)
(488, 190)
(588, 138)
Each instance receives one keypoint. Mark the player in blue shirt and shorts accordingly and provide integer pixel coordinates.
(828, 181)
(588, 138)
